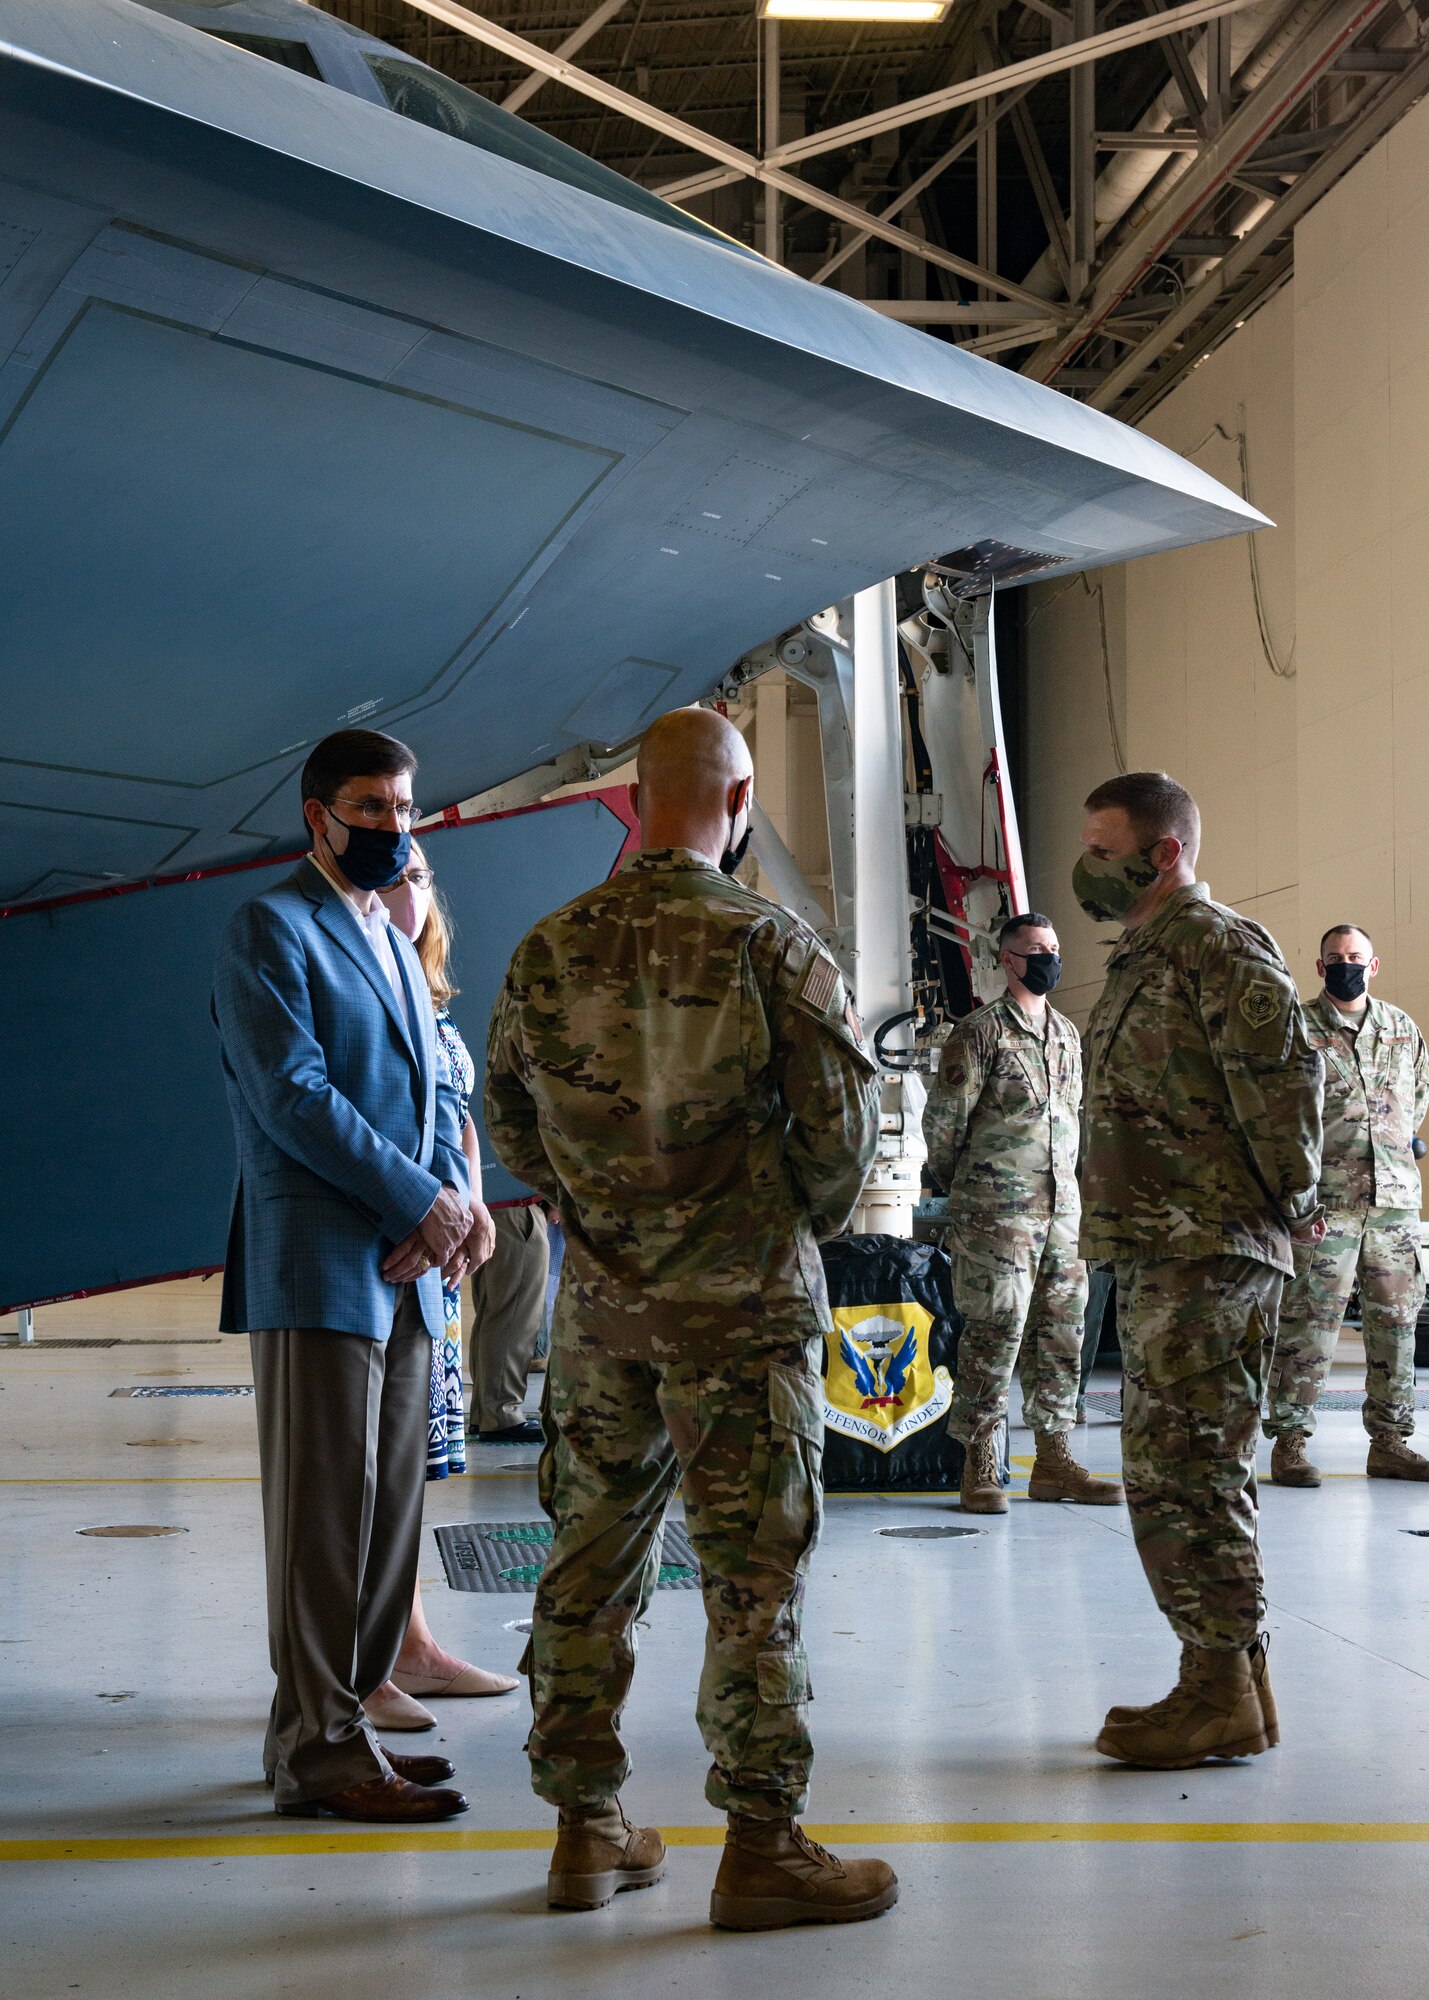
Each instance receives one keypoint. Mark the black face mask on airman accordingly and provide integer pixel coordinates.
(1040, 970)
(1345, 982)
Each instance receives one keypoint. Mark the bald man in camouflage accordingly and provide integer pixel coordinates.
(674, 1063)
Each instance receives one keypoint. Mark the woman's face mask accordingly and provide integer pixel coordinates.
(1109, 889)
(408, 902)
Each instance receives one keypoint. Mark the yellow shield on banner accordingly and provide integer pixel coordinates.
(882, 1387)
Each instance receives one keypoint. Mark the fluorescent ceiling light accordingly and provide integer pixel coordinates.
(854, 10)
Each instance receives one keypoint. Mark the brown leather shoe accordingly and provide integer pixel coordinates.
(981, 1489)
(1289, 1464)
(771, 1876)
(416, 1770)
(598, 1853)
(1391, 1458)
(388, 1801)
(1056, 1475)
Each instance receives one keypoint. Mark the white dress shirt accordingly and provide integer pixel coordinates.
(375, 923)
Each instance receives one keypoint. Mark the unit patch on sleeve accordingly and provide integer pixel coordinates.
(1260, 1003)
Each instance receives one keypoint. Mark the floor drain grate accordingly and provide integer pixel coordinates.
(127, 1531)
(119, 1341)
(510, 1555)
(925, 1534)
(191, 1389)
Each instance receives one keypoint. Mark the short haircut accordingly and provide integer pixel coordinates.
(1028, 921)
(1156, 806)
(353, 753)
(1344, 930)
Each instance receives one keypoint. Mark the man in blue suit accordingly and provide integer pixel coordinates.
(352, 1199)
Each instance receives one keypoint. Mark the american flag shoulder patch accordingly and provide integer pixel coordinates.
(820, 982)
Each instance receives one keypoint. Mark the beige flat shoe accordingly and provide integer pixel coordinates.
(470, 1681)
(388, 1707)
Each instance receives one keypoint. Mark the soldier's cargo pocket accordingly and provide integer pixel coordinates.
(782, 1673)
(1202, 1346)
(790, 1470)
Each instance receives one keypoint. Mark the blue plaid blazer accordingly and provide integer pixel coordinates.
(346, 1124)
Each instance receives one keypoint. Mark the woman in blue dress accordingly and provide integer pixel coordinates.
(423, 1667)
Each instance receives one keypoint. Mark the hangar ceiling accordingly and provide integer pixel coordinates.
(1099, 227)
(312, 415)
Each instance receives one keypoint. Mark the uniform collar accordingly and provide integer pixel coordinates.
(1147, 933)
(651, 860)
(1374, 1016)
(1024, 1021)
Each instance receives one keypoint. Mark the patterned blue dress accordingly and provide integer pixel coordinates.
(446, 1417)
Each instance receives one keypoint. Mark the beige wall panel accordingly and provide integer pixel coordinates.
(1315, 790)
(1362, 283)
(1195, 694)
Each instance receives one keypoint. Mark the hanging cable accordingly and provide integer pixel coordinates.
(1098, 591)
(1285, 670)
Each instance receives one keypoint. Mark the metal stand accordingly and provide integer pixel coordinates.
(24, 1335)
(849, 657)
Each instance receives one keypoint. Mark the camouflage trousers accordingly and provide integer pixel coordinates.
(1196, 1335)
(1018, 1285)
(1380, 1248)
(743, 1433)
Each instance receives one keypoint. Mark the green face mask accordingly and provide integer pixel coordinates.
(1106, 890)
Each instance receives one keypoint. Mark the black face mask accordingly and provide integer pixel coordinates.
(1344, 982)
(374, 856)
(736, 850)
(1041, 970)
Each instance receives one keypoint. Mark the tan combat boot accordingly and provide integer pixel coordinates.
(598, 1853)
(1259, 1673)
(1391, 1458)
(1220, 1707)
(981, 1489)
(1288, 1464)
(771, 1875)
(1056, 1475)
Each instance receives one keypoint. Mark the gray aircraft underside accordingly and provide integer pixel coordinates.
(311, 414)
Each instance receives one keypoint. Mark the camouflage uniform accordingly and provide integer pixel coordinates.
(1201, 1150)
(1376, 1095)
(674, 1063)
(1003, 1132)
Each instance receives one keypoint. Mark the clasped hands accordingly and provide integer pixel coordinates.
(456, 1234)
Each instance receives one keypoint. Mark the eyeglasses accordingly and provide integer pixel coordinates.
(373, 811)
(418, 878)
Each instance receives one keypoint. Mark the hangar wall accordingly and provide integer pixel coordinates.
(1315, 789)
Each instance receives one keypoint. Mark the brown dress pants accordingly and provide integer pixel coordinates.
(508, 1295)
(342, 1440)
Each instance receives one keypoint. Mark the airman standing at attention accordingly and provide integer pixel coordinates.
(1003, 1130)
(1376, 1095)
(1200, 1163)
(675, 1064)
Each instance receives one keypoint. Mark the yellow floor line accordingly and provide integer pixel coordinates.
(419, 1840)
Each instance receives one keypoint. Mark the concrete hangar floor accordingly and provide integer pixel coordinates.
(959, 1683)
